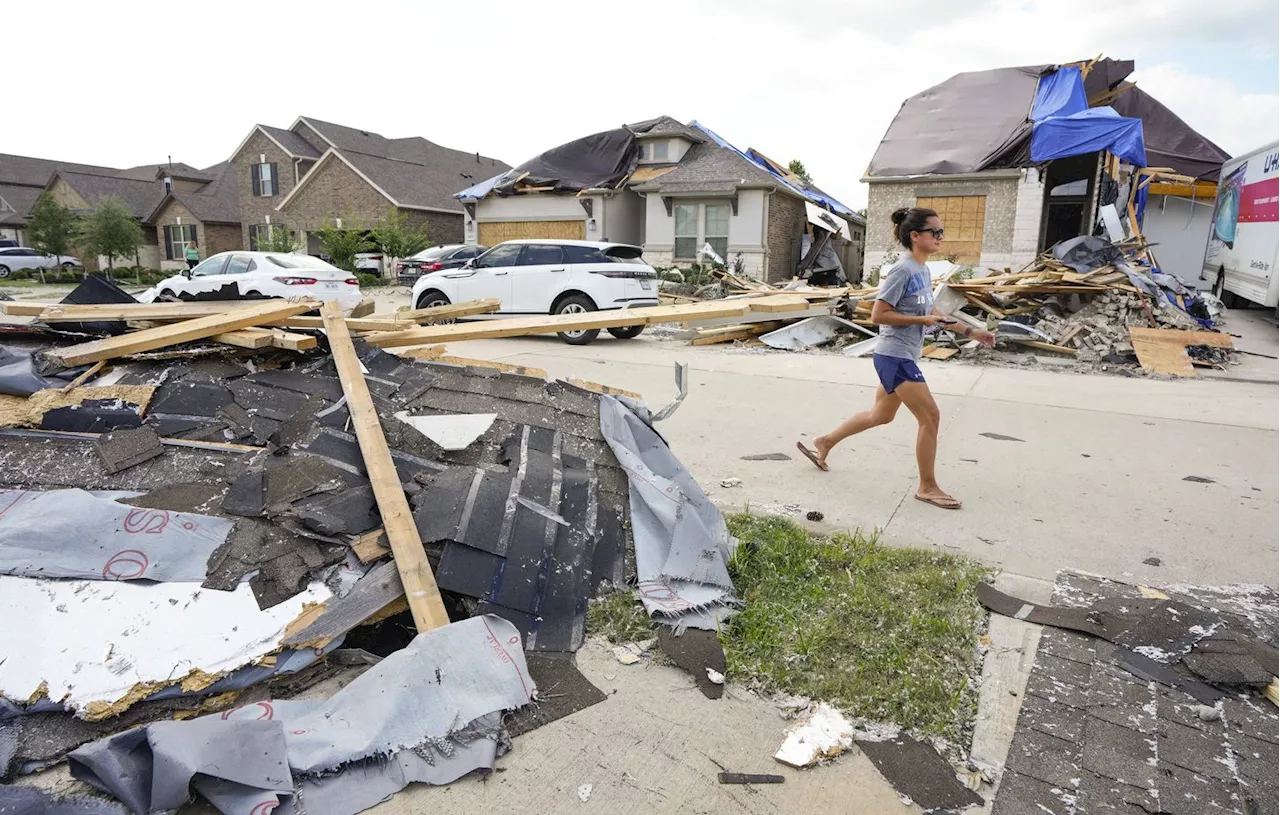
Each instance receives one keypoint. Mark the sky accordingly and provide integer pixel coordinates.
(130, 83)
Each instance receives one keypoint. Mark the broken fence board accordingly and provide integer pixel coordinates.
(410, 558)
(175, 334)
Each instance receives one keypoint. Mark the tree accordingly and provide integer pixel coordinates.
(343, 243)
(112, 231)
(281, 238)
(397, 238)
(52, 228)
(862, 213)
(797, 167)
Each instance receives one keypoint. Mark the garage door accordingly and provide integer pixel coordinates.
(492, 234)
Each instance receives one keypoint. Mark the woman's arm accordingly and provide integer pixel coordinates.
(883, 314)
(950, 323)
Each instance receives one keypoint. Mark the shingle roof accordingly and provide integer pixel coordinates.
(414, 149)
(141, 196)
(417, 185)
(217, 202)
(36, 172)
(667, 125)
(291, 142)
(711, 166)
(22, 199)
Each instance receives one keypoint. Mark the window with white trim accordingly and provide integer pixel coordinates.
(686, 231)
(176, 238)
(266, 179)
(716, 229)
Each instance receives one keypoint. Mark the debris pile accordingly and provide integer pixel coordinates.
(205, 530)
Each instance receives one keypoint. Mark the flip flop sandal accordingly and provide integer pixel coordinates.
(812, 456)
(940, 502)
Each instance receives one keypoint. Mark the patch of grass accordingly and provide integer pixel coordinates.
(619, 617)
(888, 634)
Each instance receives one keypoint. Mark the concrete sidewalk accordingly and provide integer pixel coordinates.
(1095, 482)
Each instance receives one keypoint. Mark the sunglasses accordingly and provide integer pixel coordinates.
(937, 233)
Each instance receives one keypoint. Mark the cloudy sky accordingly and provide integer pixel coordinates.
(128, 83)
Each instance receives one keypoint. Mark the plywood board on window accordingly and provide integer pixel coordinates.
(964, 217)
(492, 234)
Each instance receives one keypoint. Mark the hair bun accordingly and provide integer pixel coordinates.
(898, 216)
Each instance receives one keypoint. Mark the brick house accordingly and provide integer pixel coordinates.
(316, 173)
(206, 212)
(689, 188)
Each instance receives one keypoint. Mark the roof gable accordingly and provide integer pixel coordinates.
(141, 196)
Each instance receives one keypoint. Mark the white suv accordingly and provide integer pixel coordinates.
(549, 277)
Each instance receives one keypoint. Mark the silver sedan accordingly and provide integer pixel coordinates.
(22, 257)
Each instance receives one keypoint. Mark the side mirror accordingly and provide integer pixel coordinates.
(186, 273)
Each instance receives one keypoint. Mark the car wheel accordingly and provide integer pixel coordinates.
(577, 304)
(627, 332)
(68, 266)
(4, 271)
(433, 299)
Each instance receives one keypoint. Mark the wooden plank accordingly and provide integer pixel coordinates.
(596, 387)
(1071, 333)
(1044, 346)
(939, 352)
(1215, 338)
(452, 311)
(371, 546)
(245, 338)
(982, 304)
(361, 324)
(777, 303)
(426, 352)
(410, 557)
(186, 331)
(723, 338)
(217, 446)
(71, 313)
(505, 367)
(1164, 351)
(290, 341)
(525, 326)
(319, 626)
(84, 377)
(364, 308)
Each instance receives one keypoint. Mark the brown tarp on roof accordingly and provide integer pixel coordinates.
(963, 125)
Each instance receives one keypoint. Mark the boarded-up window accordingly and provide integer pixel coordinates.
(494, 233)
(963, 217)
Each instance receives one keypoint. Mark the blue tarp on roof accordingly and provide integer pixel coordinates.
(1060, 93)
(480, 190)
(1064, 124)
(814, 196)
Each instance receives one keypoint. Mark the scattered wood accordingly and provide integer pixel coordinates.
(939, 352)
(1045, 346)
(505, 367)
(18, 411)
(186, 331)
(1164, 351)
(252, 338)
(364, 308)
(453, 311)
(86, 376)
(410, 557)
(371, 546)
(425, 353)
(596, 387)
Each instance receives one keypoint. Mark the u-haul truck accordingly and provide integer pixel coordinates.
(1240, 259)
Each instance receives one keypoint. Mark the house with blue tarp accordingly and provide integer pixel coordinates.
(1015, 160)
(681, 191)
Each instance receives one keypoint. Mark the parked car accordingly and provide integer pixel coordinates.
(435, 259)
(549, 277)
(14, 258)
(369, 263)
(5, 243)
(251, 275)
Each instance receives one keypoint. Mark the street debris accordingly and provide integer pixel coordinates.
(918, 772)
(584, 793)
(749, 778)
(730, 483)
(821, 736)
(203, 527)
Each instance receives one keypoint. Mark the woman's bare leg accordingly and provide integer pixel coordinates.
(882, 412)
(919, 400)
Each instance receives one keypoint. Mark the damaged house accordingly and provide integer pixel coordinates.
(1015, 160)
(669, 187)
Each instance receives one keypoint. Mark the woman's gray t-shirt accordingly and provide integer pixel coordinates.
(908, 288)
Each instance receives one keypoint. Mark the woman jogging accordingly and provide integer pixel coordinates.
(903, 309)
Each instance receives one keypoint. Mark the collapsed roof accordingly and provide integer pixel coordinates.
(1023, 116)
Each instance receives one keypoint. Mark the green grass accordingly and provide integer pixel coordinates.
(888, 634)
(619, 618)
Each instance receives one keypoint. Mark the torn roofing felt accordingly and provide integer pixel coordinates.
(682, 543)
(73, 533)
(410, 705)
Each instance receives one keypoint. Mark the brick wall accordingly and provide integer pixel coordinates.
(441, 227)
(210, 238)
(784, 224)
(222, 238)
(335, 191)
(1002, 205)
(254, 209)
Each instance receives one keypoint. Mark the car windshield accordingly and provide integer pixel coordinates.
(300, 262)
(432, 253)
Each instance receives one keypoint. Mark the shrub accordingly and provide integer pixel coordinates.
(371, 281)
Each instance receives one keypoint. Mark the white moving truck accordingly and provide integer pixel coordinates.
(1240, 259)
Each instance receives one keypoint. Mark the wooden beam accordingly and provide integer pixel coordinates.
(84, 377)
(452, 311)
(290, 341)
(1044, 346)
(526, 326)
(359, 324)
(364, 308)
(186, 331)
(505, 367)
(371, 546)
(245, 338)
(982, 304)
(596, 387)
(402, 533)
(71, 313)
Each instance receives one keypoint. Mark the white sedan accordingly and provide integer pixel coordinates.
(252, 275)
(549, 277)
(14, 258)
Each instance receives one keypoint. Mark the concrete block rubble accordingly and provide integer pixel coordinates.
(193, 535)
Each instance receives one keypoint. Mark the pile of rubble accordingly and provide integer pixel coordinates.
(195, 535)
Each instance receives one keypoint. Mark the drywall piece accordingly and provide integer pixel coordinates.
(451, 431)
(862, 349)
(809, 333)
(119, 642)
(825, 734)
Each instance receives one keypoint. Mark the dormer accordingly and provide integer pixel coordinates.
(661, 148)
